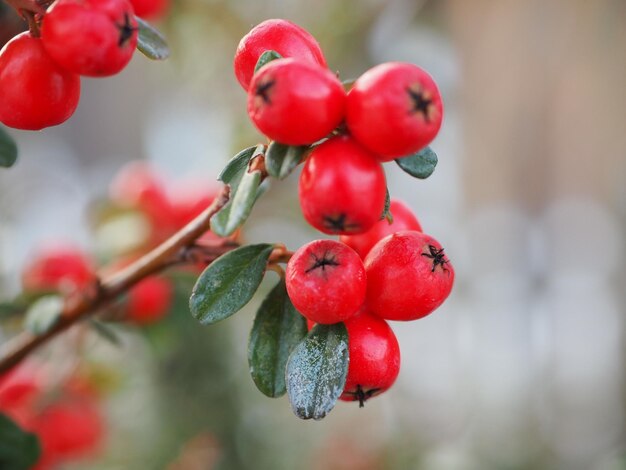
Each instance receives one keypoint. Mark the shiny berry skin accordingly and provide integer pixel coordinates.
(149, 301)
(35, 92)
(394, 109)
(326, 281)
(295, 102)
(403, 219)
(342, 187)
(58, 268)
(282, 36)
(95, 38)
(408, 276)
(374, 357)
(150, 9)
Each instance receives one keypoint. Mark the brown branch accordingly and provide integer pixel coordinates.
(82, 304)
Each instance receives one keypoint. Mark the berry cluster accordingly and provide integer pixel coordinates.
(40, 70)
(383, 267)
(64, 414)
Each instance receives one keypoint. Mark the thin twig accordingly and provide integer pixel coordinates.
(83, 304)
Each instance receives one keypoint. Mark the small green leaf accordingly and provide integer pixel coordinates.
(151, 42)
(420, 165)
(43, 314)
(237, 165)
(244, 192)
(266, 58)
(386, 210)
(278, 328)
(281, 159)
(106, 332)
(229, 283)
(19, 450)
(317, 370)
(8, 149)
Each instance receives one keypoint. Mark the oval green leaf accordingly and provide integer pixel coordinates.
(420, 165)
(266, 58)
(151, 42)
(244, 191)
(317, 370)
(43, 314)
(8, 149)
(229, 283)
(19, 450)
(278, 328)
(281, 159)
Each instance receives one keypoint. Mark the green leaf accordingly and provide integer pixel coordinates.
(19, 450)
(43, 314)
(281, 159)
(386, 212)
(151, 42)
(8, 149)
(278, 328)
(229, 283)
(420, 165)
(106, 332)
(266, 58)
(244, 192)
(317, 370)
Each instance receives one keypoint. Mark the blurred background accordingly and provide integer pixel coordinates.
(523, 366)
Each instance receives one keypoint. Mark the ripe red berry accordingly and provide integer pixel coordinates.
(282, 36)
(342, 187)
(326, 281)
(70, 429)
(295, 102)
(374, 357)
(34, 91)
(403, 219)
(18, 388)
(90, 37)
(408, 276)
(150, 300)
(150, 9)
(58, 268)
(394, 109)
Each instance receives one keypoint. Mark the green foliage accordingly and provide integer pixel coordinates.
(266, 58)
(8, 149)
(278, 328)
(317, 370)
(420, 165)
(244, 191)
(229, 283)
(19, 450)
(151, 42)
(43, 314)
(386, 212)
(281, 159)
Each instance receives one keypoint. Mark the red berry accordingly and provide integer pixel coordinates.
(150, 9)
(96, 38)
(326, 281)
(18, 388)
(34, 91)
(58, 268)
(403, 219)
(408, 276)
(342, 187)
(189, 198)
(70, 429)
(295, 102)
(150, 300)
(374, 357)
(282, 36)
(394, 109)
